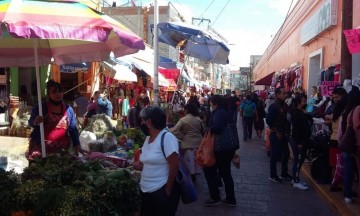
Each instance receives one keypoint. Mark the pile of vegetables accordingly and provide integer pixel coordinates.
(67, 186)
(99, 124)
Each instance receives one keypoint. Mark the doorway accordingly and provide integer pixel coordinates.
(315, 66)
(69, 81)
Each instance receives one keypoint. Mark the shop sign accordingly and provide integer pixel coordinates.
(327, 87)
(353, 40)
(73, 68)
(321, 20)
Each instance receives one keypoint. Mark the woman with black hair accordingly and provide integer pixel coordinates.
(347, 160)
(159, 190)
(301, 123)
(59, 124)
(224, 152)
(339, 97)
(189, 131)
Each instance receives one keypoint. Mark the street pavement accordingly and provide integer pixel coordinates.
(255, 194)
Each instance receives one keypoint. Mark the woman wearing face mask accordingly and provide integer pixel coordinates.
(220, 117)
(189, 130)
(159, 191)
(59, 125)
(301, 123)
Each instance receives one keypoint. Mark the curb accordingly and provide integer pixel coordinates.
(339, 205)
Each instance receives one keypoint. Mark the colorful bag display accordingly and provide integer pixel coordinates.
(205, 155)
(187, 190)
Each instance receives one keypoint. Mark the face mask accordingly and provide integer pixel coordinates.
(211, 109)
(145, 129)
(55, 102)
(232, 95)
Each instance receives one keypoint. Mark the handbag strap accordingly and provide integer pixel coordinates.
(162, 143)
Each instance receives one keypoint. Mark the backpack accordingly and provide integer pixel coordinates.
(248, 110)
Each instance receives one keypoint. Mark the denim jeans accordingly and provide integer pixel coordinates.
(279, 148)
(348, 173)
(299, 158)
(247, 127)
(223, 165)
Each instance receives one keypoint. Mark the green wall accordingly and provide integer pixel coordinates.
(14, 81)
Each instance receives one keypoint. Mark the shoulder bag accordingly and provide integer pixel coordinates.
(205, 155)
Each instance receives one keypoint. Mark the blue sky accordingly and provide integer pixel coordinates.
(248, 25)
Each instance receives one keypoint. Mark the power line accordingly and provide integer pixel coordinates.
(220, 12)
(282, 25)
(207, 8)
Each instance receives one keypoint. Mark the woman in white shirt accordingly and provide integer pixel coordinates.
(159, 190)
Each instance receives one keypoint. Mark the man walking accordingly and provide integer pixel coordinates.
(279, 135)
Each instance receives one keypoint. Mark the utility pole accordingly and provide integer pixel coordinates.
(346, 58)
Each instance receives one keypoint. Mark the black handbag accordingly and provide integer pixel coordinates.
(228, 139)
(347, 141)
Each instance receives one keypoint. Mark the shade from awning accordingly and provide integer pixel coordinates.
(119, 72)
(266, 80)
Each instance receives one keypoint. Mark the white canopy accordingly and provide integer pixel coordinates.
(119, 72)
(148, 68)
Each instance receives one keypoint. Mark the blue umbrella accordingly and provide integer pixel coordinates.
(194, 41)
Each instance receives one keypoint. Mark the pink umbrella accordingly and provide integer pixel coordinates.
(34, 33)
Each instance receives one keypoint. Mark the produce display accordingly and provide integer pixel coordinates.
(66, 185)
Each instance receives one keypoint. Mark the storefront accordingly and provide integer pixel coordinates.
(310, 37)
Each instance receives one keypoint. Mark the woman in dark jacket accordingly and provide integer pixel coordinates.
(218, 122)
(301, 123)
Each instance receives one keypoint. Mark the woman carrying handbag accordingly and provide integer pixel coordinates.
(219, 123)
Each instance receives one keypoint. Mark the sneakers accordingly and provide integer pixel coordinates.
(300, 186)
(348, 200)
(286, 177)
(229, 203)
(211, 202)
(275, 179)
(303, 183)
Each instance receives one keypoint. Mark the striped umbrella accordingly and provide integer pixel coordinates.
(34, 33)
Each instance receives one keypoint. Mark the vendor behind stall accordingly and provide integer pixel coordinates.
(59, 125)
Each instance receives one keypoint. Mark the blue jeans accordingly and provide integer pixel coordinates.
(299, 158)
(247, 123)
(279, 148)
(348, 173)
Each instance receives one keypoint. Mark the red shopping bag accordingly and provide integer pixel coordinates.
(205, 155)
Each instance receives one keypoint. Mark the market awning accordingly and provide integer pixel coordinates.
(119, 72)
(148, 68)
(265, 80)
(170, 73)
